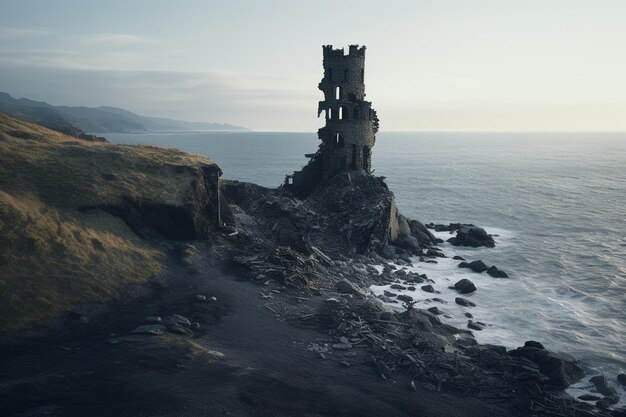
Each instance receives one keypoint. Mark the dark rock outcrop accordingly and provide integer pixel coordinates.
(476, 266)
(561, 369)
(496, 273)
(465, 286)
(464, 302)
(472, 236)
(428, 288)
(602, 385)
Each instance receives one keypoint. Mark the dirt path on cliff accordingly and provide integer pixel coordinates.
(96, 369)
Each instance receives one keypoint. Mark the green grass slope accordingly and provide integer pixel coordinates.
(54, 253)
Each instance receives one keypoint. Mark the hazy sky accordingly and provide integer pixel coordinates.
(430, 65)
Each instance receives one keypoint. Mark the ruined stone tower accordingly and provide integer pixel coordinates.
(351, 122)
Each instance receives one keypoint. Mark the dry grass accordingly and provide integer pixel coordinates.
(52, 255)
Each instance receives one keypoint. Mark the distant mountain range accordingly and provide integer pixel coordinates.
(73, 120)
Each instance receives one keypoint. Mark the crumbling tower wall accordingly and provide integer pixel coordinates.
(351, 123)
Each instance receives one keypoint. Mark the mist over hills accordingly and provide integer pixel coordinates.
(102, 119)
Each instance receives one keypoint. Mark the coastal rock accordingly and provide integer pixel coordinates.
(496, 273)
(601, 384)
(200, 297)
(612, 399)
(346, 287)
(464, 302)
(408, 243)
(458, 258)
(561, 369)
(472, 236)
(389, 293)
(428, 288)
(465, 286)
(533, 344)
(621, 378)
(405, 298)
(475, 325)
(435, 310)
(397, 287)
(388, 252)
(421, 233)
(476, 266)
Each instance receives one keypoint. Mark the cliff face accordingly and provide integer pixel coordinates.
(75, 215)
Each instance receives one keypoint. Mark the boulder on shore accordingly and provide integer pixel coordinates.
(464, 302)
(465, 286)
(476, 266)
(472, 236)
(561, 369)
(497, 273)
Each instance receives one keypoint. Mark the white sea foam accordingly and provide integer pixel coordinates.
(512, 311)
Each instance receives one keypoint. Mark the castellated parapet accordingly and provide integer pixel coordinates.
(351, 123)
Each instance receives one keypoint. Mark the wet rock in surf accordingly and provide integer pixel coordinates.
(533, 344)
(476, 266)
(465, 286)
(428, 288)
(621, 378)
(435, 310)
(472, 236)
(602, 386)
(561, 369)
(405, 298)
(496, 273)
(475, 325)
(464, 302)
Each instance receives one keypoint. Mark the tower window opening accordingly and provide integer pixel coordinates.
(337, 93)
(339, 142)
(334, 114)
(343, 112)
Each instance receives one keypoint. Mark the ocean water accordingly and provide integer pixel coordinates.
(556, 201)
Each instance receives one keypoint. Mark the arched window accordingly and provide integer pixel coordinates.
(337, 93)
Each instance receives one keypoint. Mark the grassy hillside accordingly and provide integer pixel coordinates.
(70, 211)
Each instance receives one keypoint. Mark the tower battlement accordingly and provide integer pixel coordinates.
(351, 123)
(354, 51)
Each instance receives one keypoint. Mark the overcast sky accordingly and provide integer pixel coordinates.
(430, 65)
